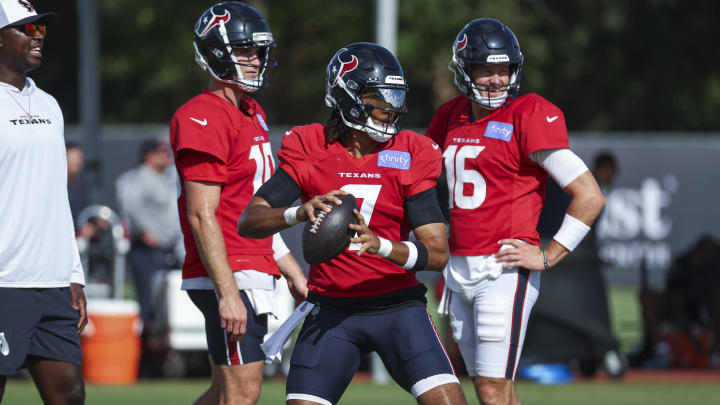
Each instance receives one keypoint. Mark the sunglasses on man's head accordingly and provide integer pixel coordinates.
(30, 29)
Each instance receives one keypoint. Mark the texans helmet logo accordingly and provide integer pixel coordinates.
(461, 44)
(217, 19)
(345, 67)
(29, 7)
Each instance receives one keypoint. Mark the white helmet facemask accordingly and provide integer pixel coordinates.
(471, 90)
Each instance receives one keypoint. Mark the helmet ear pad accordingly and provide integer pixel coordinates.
(216, 57)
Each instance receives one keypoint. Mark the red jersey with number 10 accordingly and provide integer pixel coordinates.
(381, 181)
(238, 141)
(495, 190)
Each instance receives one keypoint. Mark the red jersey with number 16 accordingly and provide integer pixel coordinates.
(495, 190)
(381, 181)
(239, 158)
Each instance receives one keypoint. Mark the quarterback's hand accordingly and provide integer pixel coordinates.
(370, 242)
(77, 297)
(306, 211)
(519, 255)
(233, 315)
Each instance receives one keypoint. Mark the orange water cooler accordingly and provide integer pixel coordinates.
(111, 342)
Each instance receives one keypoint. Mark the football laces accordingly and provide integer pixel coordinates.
(317, 221)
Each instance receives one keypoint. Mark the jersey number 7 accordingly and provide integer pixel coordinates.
(369, 194)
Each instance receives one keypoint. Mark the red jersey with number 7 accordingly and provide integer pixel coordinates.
(495, 190)
(381, 181)
(236, 140)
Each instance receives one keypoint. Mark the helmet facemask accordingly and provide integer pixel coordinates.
(376, 112)
(474, 91)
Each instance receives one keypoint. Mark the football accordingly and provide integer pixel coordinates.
(329, 235)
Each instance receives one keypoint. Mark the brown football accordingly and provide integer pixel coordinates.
(329, 235)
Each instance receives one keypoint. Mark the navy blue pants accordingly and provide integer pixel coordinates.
(332, 343)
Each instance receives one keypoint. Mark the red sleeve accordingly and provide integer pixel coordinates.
(200, 166)
(542, 127)
(425, 167)
(293, 154)
(201, 126)
(438, 126)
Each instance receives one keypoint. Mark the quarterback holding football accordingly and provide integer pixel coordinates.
(367, 298)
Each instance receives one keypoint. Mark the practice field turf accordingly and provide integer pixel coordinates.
(363, 393)
(654, 388)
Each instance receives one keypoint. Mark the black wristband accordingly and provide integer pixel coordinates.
(422, 256)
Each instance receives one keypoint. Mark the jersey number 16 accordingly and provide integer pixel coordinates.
(458, 175)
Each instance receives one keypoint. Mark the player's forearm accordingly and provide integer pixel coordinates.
(399, 253)
(585, 206)
(587, 199)
(438, 253)
(289, 267)
(210, 243)
(260, 221)
(430, 252)
(555, 252)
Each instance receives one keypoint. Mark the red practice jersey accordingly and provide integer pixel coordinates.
(495, 190)
(381, 181)
(241, 160)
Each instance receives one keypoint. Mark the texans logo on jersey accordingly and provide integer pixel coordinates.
(344, 67)
(212, 22)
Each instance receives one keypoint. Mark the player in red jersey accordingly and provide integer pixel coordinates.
(498, 151)
(222, 153)
(367, 298)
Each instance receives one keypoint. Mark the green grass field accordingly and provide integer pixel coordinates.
(625, 318)
(590, 393)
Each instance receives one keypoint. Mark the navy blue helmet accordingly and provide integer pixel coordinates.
(486, 41)
(366, 70)
(225, 27)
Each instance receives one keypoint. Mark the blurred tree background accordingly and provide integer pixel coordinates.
(614, 65)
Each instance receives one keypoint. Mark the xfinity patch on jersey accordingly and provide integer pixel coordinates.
(262, 122)
(499, 130)
(394, 159)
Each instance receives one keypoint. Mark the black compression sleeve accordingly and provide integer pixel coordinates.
(280, 190)
(423, 208)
